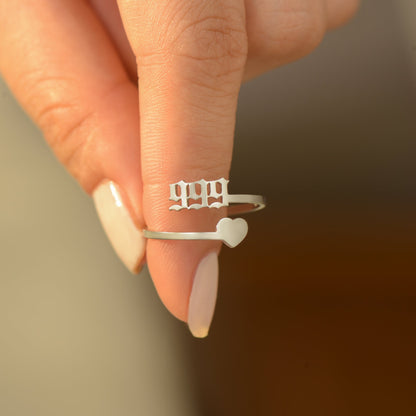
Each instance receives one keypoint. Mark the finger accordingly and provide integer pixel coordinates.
(191, 57)
(340, 12)
(109, 14)
(60, 63)
(280, 32)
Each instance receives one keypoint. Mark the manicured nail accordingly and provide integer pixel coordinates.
(203, 296)
(126, 239)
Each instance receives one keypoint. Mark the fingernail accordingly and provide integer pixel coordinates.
(126, 239)
(203, 296)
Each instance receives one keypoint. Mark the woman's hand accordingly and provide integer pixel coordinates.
(73, 64)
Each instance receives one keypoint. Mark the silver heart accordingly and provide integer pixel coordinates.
(232, 231)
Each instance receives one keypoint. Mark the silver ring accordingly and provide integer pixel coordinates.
(230, 231)
(210, 194)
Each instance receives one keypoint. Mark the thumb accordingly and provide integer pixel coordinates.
(191, 58)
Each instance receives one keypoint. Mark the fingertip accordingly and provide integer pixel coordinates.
(185, 275)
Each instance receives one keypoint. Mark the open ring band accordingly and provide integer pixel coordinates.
(210, 194)
(244, 204)
(230, 231)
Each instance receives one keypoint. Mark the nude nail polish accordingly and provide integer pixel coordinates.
(203, 296)
(126, 239)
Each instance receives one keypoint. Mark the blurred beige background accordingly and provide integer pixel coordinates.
(79, 335)
(317, 309)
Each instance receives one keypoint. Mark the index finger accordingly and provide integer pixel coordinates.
(191, 58)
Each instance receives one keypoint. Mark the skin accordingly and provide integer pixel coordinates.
(73, 65)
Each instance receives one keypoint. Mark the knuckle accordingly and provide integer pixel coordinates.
(297, 33)
(211, 38)
(216, 42)
(62, 119)
(68, 135)
(68, 122)
(308, 33)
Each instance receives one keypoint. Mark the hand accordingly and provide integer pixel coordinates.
(73, 64)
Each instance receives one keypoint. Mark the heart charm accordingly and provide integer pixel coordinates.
(232, 232)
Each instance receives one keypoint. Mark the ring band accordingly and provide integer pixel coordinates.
(244, 204)
(230, 231)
